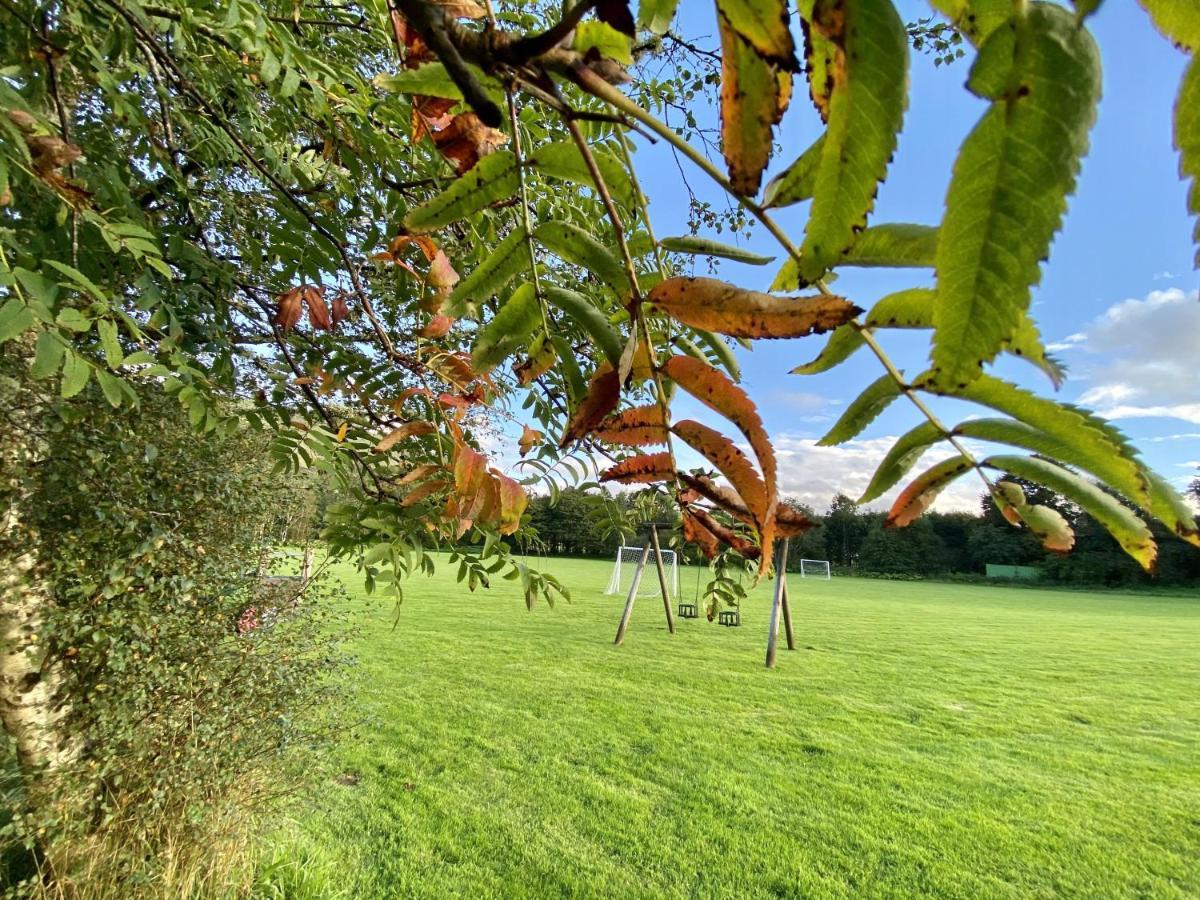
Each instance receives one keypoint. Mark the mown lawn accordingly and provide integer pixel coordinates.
(926, 739)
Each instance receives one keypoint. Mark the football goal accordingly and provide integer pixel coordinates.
(626, 565)
(814, 568)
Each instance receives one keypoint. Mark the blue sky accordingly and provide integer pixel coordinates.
(1118, 297)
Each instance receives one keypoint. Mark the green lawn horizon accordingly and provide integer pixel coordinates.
(932, 739)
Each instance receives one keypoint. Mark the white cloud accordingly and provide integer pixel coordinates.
(814, 475)
(1139, 358)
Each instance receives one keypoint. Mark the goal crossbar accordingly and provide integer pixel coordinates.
(815, 568)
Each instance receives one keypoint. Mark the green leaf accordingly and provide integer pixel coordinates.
(765, 26)
(80, 280)
(113, 353)
(1187, 141)
(1131, 533)
(798, 181)
(870, 72)
(655, 15)
(432, 80)
(1091, 437)
(111, 387)
(605, 40)
(1172, 510)
(902, 457)
(15, 318)
(912, 308)
(754, 96)
(699, 246)
(47, 356)
(1010, 183)
(490, 277)
(842, 344)
(862, 411)
(721, 351)
(561, 159)
(1026, 342)
(492, 179)
(584, 313)
(976, 19)
(924, 489)
(508, 330)
(37, 287)
(1179, 20)
(71, 318)
(76, 373)
(575, 245)
(897, 245)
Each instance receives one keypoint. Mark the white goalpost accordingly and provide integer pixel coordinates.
(626, 565)
(815, 568)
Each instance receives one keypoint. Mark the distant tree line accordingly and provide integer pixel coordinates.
(581, 523)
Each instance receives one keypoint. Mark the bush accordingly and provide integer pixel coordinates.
(150, 536)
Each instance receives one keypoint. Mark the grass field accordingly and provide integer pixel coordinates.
(925, 739)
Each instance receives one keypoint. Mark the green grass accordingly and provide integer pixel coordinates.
(925, 739)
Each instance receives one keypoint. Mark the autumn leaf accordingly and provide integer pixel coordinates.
(465, 140)
(437, 327)
(725, 308)
(530, 438)
(338, 310)
(1050, 527)
(603, 392)
(287, 314)
(746, 549)
(732, 463)
(512, 500)
(919, 496)
(645, 469)
(719, 495)
(419, 472)
(641, 426)
(442, 276)
(407, 430)
(423, 490)
(318, 312)
(695, 531)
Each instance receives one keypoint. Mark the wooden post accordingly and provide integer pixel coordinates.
(633, 589)
(306, 564)
(777, 601)
(787, 618)
(662, 579)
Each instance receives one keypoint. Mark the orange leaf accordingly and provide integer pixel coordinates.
(791, 521)
(541, 357)
(288, 312)
(719, 495)
(1049, 525)
(422, 471)
(469, 468)
(530, 438)
(645, 469)
(437, 327)
(747, 549)
(408, 429)
(423, 490)
(695, 531)
(513, 500)
(318, 312)
(642, 426)
(718, 306)
(466, 140)
(339, 310)
(732, 462)
(341, 432)
(919, 496)
(604, 391)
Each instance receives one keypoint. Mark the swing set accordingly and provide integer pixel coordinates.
(780, 605)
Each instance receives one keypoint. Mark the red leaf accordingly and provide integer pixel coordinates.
(441, 274)
(645, 469)
(437, 327)
(339, 310)
(604, 391)
(641, 426)
(466, 140)
(733, 464)
(695, 531)
(747, 549)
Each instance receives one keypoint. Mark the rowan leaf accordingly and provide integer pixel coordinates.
(754, 96)
(720, 351)
(842, 344)
(747, 549)
(718, 306)
(798, 181)
(975, 19)
(655, 15)
(911, 308)
(511, 502)
(730, 461)
(866, 109)
(493, 179)
(1026, 343)
(719, 495)
(584, 313)
(490, 277)
(766, 26)
(1049, 525)
(1187, 140)
(1179, 20)
(862, 411)
(418, 473)
(700, 246)
(641, 426)
(1094, 441)
(1131, 533)
(894, 245)
(1010, 183)
(406, 430)
(1172, 510)
(603, 392)
(919, 496)
(573, 244)
(900, 459)
(508, 330)
(562, 159)
(695, 532)
(423, 490)
(75, 374)
(645, 469)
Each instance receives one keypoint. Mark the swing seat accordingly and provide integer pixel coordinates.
(729, 617)
(688, 611)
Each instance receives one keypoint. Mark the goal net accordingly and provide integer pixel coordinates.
(814, 568)
(626, 566)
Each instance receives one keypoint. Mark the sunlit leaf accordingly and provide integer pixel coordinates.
(508, 330)
(919, 496)
(766, 26)
(1187, 140)
(1049, 525)
(842, 344)
(407, 430)
(573, 244)
(730, 462)
(490, 277)
(641, 426)
(718, 306)
(895, 245)
(562, 159)
(493, 179)
(900, 459)
(700, 246)
(655, 15)
(862, 411)
(584, 313)
(647, 469)
(603, 392)
(798, 181)
(975, 19)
